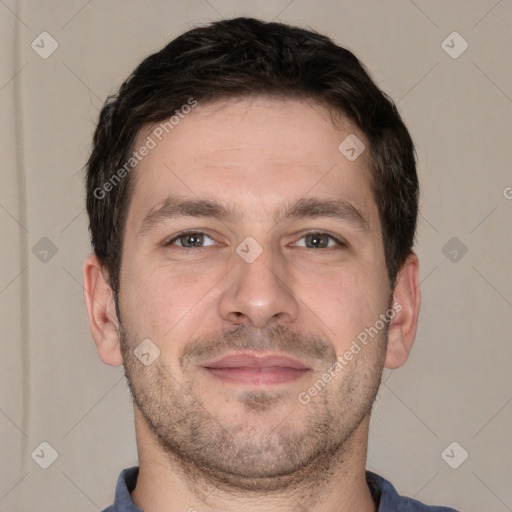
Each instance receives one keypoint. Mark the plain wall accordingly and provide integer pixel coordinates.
(456, 385)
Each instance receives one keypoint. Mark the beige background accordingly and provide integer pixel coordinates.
(457, 383)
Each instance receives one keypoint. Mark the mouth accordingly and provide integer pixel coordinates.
(256, 369)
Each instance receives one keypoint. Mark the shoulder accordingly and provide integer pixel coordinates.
(125, 484)
(390, 501)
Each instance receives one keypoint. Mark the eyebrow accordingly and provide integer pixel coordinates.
(334, 208)
(174, 207)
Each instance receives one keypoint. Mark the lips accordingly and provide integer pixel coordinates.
(256, 369)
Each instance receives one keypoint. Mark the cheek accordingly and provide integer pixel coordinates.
(346, 301)
(162, 302)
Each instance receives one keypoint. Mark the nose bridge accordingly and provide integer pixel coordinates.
(257, 290)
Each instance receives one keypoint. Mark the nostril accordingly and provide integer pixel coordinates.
(237, 316)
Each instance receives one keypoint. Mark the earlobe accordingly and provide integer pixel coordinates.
(103, 321)
(406, 301)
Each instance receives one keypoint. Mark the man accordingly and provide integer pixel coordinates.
(252, 199)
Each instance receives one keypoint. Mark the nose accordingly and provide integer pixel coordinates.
(259, 294)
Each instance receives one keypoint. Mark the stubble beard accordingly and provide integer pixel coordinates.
(300, 452)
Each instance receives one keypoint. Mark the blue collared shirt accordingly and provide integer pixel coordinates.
(382, 491)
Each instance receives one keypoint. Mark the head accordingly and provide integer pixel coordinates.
(228, 216)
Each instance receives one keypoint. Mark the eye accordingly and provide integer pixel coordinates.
(191, 240)
(318, 241)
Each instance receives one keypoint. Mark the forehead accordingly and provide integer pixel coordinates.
(253, 153)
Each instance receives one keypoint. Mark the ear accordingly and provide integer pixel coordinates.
(103, 321)
(406, 304)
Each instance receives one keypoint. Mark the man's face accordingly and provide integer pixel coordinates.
(268, 271)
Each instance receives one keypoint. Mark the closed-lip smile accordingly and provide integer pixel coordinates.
(253, 368)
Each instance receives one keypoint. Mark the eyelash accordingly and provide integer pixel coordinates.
(183, 234)
(339, 242)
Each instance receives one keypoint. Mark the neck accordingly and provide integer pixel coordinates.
(333, 482)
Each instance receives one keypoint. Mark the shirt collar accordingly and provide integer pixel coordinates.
(382, 491)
